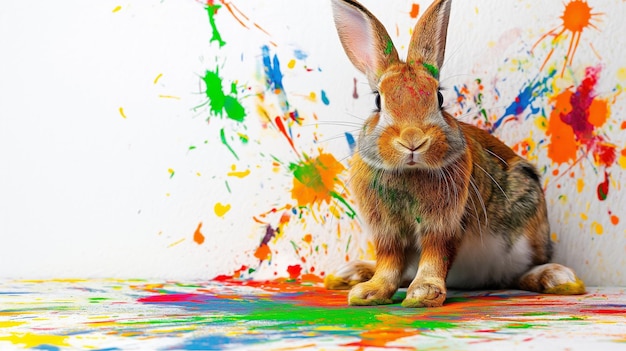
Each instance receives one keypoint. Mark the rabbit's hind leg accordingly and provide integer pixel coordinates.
(552, 278)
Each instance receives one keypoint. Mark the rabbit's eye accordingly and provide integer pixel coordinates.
(440, 98)
(377, 101)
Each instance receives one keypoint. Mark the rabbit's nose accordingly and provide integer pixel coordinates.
(412, 139)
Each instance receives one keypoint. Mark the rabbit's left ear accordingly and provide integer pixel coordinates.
(364, 39)
(428, 43)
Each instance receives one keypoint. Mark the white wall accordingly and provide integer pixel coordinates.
(87, 192)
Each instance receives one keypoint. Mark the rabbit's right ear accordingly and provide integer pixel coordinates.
(364, 38)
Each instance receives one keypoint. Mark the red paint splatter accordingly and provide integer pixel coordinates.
(605, 154)
(169, 298)
(197, 235)
(281, 127)
(294, 271)
(603, 188)
(574, 124)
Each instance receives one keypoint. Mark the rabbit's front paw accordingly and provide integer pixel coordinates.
(425, 294)
(370, 294)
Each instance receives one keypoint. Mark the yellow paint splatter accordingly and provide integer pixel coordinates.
(622, 159)
(584, 216)
(171, 172)
(169, 97)
(312, 96)
(240, 174)
(291, 64)
(221, 210)
(156, 80)
(580, 185)
(621, 74)
(597, 227)
(117, 8)
(554, 237)
(30, 340)
(9, 324)
(176, 243)
(122, 112)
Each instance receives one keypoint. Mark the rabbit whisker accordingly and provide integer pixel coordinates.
(494, 181)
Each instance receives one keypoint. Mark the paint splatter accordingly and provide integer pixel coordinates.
(238, 174)
(225, 142)
(117, 9)
(274, 77)
(171, 172)
(577, 17)
(211, 10)
(263, 252)
(415, 10)
(355, 92)
(526, 101)
(316, 179)
(294, 271)
(325, 98)
(220, 102)
(198, 237)
(603, 188)
(221, 210)
(351, 142)
(573, 123)
(121, 109)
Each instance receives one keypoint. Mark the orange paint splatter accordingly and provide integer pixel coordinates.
(316, 179)
(415, 10)
(560, 133)
(263, 252)
(381, 337)
(576, 18)
(197, 235)
(574, 121)
(614, 220)
(308, 238)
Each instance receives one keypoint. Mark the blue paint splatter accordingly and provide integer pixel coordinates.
(325, 98)
(274, 77)
(351, 142)
(300, 55)
(47, 348)
(525, 101)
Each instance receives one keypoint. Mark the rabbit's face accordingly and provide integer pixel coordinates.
(408, 129)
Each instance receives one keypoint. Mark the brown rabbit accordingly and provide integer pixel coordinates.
(447, 204)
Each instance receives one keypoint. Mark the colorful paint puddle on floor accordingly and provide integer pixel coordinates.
(247, 315)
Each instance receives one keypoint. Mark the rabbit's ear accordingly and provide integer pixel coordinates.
(428, 43)
(364, 38)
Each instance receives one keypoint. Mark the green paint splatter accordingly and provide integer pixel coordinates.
(418, 220)
(218, 101)
(192, 147)
(351, 212)
(228, 187)
(211, 10)
(223, 137)
(389, 47)
(97, 299)
(432, 69)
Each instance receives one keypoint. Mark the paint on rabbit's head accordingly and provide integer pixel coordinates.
(408, 129)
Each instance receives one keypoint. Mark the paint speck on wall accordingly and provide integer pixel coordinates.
(415, 10)
(198, 237)
(221, 210)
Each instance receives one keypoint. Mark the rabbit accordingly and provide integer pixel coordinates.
(447, 204)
